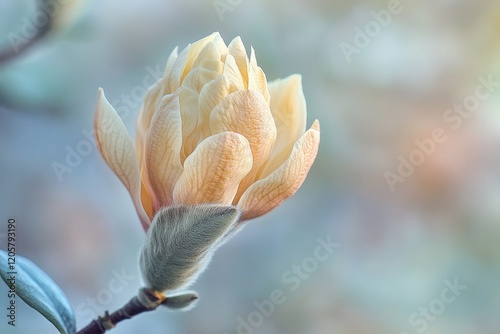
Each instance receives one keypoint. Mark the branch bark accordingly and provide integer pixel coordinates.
(147, 300)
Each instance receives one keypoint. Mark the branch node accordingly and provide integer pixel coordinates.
(106, 321)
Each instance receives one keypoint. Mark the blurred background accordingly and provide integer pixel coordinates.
(405, 234)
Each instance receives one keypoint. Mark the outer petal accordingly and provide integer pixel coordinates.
(266, 194)
(214, 170)
(288, 106)
(147, 196)
(174, 78)
(151, 101)
(163, 147)
(170, 62)
(118, 151)
(247, 113)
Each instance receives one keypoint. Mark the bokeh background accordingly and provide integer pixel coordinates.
(397, 249)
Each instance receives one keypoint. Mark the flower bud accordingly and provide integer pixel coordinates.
(212, 130)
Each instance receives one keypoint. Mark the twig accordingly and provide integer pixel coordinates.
(147, 300)
(11, 52)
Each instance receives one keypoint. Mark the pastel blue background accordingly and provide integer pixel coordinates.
(396, 249)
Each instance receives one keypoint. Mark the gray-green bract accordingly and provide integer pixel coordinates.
(39, 291)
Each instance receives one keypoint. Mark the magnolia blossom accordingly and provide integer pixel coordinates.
(214, 131)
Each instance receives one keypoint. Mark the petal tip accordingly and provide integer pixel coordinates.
(315, 125)
(296, 77)
(101, 98)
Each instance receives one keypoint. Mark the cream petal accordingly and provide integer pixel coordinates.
(163, 147)
(118, 151)
(221, 46)
(262, 84)
(184, 62)
(256, 77)
(173, 80)
(213, 65)
(288, 106)
(194, 51)
(198, 78)
(214, 170)
(232, 73)
(170, 63)
(253, 58)
(209, 59)
(209, 52)
(237, 50)
(247, 113)
(266, 194)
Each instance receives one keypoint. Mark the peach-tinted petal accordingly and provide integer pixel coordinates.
(247, 113)
(210, 96)
(148, 197)
(163, 147)
(266, 194)
(214, 170)
(189, 115)
(288, 106)
(118, 151)
(147, 200)
(151, 101)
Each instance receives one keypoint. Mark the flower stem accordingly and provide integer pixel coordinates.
(147, 300)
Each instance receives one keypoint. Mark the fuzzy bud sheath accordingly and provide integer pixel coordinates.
(181, 241)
